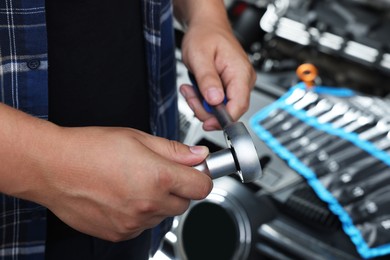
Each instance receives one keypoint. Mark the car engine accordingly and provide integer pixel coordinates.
(285, 214)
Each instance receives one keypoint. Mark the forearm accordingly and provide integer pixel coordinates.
(188, 12)
(25, 142)
(108, 182)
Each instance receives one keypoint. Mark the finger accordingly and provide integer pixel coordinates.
(189, 183)
(181, 180)
(239, 82)
(210, 123)
(175, 206)
(238, 94)
(193, 101)
(207, 78)
(177, 178)
(174, 151)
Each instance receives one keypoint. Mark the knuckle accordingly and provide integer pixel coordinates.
(174, 147)
(251, 73)
(209, 79)
(147, 207)
(164, 179)
(243, 106)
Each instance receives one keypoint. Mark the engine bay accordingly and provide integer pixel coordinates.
(281, 216)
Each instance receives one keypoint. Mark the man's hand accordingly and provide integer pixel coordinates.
(213, 54)
(112, 183)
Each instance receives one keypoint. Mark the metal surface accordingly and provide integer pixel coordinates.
(230, 206)
(241, 146)
(218, 164)
(222, 115)
(241, 157)
(244, 152)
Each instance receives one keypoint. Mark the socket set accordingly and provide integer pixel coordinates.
(339, 141)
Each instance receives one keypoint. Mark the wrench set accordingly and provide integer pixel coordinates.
(339, 141)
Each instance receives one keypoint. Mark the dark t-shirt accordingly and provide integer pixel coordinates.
(97, 70)
(97, 77)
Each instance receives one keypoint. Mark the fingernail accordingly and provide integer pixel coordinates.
(183, 92)
(199, 149)
(214, 94)
(191, 105)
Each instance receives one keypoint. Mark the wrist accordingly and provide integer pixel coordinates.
(27, 144)
(192, 12)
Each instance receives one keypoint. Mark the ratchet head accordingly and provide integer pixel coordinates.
(244, 152)
(246, 160)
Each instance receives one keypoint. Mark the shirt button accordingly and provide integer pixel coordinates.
(33, 64)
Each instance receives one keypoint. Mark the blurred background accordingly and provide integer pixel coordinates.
(280, 216)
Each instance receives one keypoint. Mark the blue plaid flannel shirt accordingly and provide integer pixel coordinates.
(23, 85)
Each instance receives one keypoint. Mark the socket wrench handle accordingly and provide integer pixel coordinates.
(223, 117)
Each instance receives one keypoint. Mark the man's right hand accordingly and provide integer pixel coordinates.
(112, 183)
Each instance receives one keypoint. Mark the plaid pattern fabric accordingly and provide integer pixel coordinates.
(160, 51)
(24, 85)
(23, 56)
(158, 32)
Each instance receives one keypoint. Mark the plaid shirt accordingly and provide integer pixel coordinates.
(24, 85)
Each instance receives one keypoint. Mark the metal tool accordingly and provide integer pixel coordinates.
(351, 193)
(308, 133)
(299, 99)
(240, 157)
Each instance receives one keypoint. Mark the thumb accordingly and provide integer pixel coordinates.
(183, 154)
(176, 151)
(210, 87)
(208, 80)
